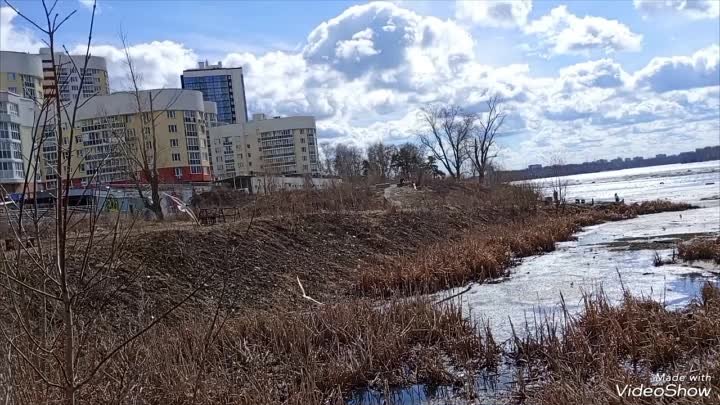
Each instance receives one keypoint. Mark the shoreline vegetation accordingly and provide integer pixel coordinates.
(313, 295)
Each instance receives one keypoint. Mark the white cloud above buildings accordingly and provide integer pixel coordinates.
(366, 72)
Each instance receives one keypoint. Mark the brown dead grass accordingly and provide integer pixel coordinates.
(700, 249)
(486, 253)
(337, 198)
(581, 360)
(310, 357)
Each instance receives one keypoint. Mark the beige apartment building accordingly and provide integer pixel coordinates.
(21, 74)
(25, 81)
(70, 68)
(114, 138)
(265, 146)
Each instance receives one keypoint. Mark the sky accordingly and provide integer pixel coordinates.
(579, 80)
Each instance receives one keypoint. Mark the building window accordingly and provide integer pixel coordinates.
(174, 143)
(12, 90)
(9, 130)
(249, 156)
(302, 140)
(170, 114)
(176, 157)
(248, 146)
(304, 157)
(304, 149)
(172, 128)
(178, 172)
(11, 76)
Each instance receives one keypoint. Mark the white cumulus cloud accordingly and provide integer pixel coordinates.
(681, 72)
(494, 13)
(696, 9)
(158, 63)
(14, 38)
(562, 32)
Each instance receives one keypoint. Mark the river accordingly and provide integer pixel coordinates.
(607, 257)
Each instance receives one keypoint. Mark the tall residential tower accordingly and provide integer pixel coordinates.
(224, 86)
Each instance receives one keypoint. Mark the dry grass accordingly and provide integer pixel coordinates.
(336, 198)
(477, 256)
(582, 359)
(486, 253)
(282, 357)
(700, 249)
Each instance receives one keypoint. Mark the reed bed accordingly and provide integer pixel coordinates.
(700, 249)
(317, 356)
(590, 358)
(486, 253)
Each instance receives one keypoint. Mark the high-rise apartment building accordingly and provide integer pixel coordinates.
(70, 68)
(17, 116)
(21, 74)
(114, 138)
(276, 146)
(224, 86)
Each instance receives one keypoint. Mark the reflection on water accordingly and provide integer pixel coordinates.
(488, 388)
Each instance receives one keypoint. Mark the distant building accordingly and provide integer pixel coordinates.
(223, 86)
(276, 146)
(535, 167)
(661, 156)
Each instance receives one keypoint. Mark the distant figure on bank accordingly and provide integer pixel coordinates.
(414, 186)
(617, 198)
(402, 182)
(592, 201)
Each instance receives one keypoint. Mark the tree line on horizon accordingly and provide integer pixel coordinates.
(452, 141)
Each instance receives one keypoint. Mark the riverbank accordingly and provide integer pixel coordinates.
(280, 314)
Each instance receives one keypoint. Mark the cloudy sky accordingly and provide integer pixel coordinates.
(582, 79)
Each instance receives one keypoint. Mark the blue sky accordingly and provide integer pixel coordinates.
(580, 79)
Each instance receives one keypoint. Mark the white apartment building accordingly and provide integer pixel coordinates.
(221, 85)
(269, 146)
(17, 116)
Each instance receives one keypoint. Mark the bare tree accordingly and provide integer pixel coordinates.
(447, 132)
(379, 158)
(482, 148)
(558, 183)
(348, 161)
(328, 158)
(142, 153)
(56, 288)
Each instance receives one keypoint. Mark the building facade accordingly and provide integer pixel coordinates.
(17, 117)
(70, 68)
(223, 86)
(22, 74)
(115, 139)
(280, 146)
